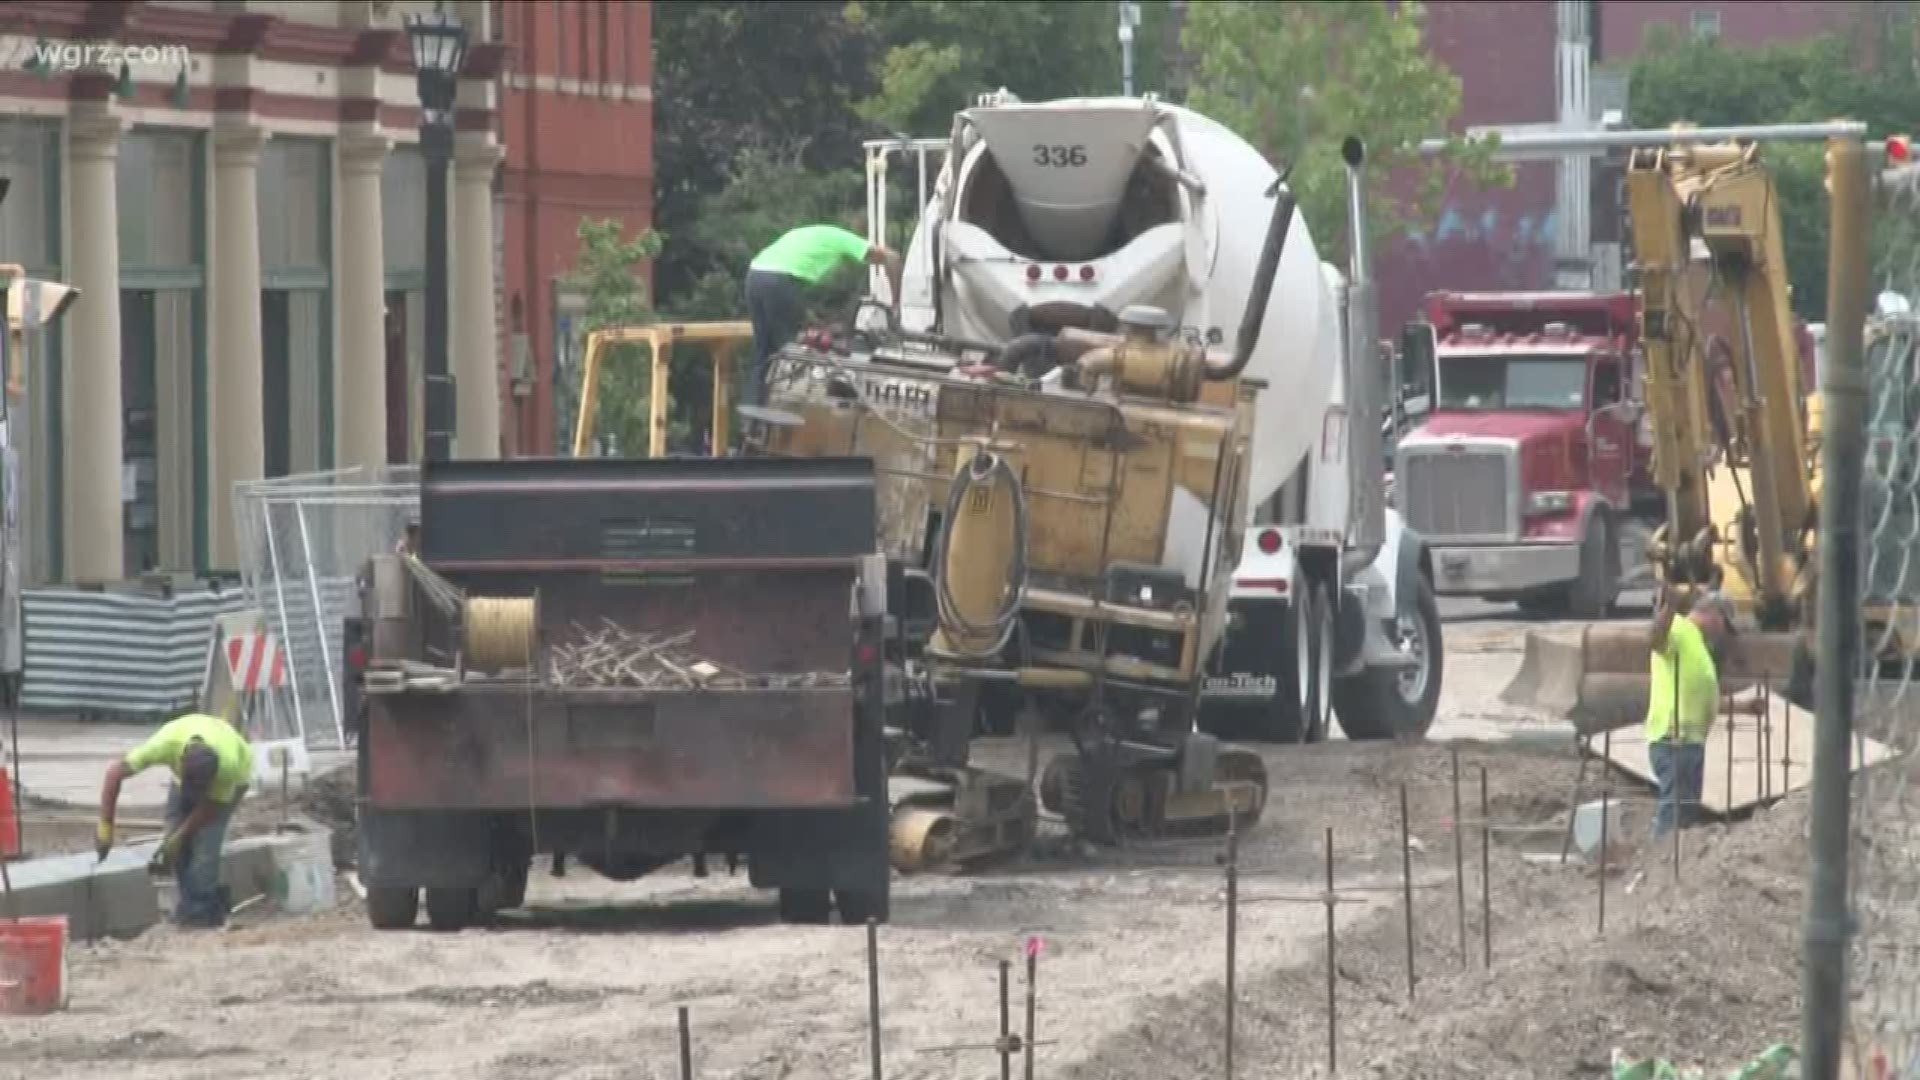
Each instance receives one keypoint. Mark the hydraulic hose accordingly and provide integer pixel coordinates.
(985, 468)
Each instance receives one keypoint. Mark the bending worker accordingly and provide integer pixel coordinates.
(782, 271)
(1684, 697)
(211, 763)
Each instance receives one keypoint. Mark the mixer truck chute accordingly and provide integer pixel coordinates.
(1110, 435)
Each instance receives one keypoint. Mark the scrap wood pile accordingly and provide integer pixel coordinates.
(616, 657)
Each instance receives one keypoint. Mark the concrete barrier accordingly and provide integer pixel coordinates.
(115, 898)
(119, 898)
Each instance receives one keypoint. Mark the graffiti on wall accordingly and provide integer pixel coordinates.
(1472, 244)
(1515, 240)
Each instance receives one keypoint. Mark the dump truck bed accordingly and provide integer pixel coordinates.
(749, 563)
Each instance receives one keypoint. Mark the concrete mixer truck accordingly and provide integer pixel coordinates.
(1117, 477)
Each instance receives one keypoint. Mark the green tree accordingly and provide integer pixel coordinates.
(741, 77)
(938, 55)
(767, 194)
(604, 273)
(1294, 79)
(1864, 72)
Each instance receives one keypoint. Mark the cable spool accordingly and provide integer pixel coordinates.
(500, 631)
(961, 636)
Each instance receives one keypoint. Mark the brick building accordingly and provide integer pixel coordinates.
(576, 116)
(1534, 62)
(243, 184)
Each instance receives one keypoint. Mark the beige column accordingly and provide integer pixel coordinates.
(235, 432)
(472, 335)
(91, 413)
(360, 397)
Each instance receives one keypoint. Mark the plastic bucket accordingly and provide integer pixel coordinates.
(33, 965)
(303, 875)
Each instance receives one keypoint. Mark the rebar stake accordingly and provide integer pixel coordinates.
(1606, 815)
(1726, 701)
(1486, 875)
(1233, 912)
(1766, 713)
(1459, 860)
(1006, 1022)
(1333, 1039)
(1680, 802)
(686, 1045)
(1584, 751)
(1786, 747)
(873, 992)
(1406, 880)
(1033, 975)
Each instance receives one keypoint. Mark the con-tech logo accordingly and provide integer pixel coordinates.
(58, 57)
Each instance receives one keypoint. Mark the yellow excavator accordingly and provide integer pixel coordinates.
(1735, 422)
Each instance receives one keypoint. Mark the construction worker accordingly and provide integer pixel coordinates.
(1684, 697)
(784, 269)
(211, 763)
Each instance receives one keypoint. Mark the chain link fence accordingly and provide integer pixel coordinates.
(302, 540)
(1885, 874)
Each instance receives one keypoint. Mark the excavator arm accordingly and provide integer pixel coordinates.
(1727, 406)
(1740, 493)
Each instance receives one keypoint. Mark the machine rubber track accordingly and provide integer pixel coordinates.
(1106, 803)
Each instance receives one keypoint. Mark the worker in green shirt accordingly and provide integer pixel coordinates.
(780, 274)
(1683, 700)
(211, 763)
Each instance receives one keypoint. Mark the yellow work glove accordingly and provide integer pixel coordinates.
(165, 854)
(102, 839)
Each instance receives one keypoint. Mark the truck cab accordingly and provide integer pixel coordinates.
(1528, 460)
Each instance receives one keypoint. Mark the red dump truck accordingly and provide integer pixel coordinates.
(1529, 461)
(1530, 471)
(625, 663)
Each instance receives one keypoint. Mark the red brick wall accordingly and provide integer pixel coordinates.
(575, 150)
(1623, 26)
(1503, 53)
(1494, 238)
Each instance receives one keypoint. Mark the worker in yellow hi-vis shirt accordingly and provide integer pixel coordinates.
(1683, 700)
(211, 763)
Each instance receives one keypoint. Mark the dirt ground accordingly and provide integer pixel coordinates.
(586, 983)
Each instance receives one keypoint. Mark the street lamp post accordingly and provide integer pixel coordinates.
(439, 48)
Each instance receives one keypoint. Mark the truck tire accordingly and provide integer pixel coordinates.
(513, 886)
(1592, 596)
(806, 906)
(392, 908)
(1395, 703)
(858, 906)
(1313, 648)
(451, 909)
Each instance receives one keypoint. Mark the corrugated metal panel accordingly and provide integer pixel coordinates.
(107, 653)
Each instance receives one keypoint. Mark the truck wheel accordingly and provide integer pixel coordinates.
(392, 908)
(451, 909)
(1398, 703)
(513, 886)
(857, 906)
(806, 906)
(1592, 596)
(1313, 649)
